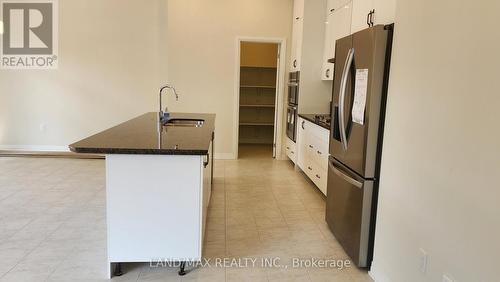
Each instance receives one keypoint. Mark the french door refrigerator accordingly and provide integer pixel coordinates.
(359, 93)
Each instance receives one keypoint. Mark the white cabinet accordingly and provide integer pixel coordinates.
(298, 9)
(360, 11)
(335, 4)
(313, 148)
(207, 164)
(291, 150)
(329, 49)
(383, 13)
(297, 29)
(338, 25)
(140, 186)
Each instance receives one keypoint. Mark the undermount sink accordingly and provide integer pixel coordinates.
(185, 122)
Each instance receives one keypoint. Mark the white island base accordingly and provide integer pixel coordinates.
(156, 207)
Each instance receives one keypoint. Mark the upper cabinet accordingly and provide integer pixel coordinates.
(297, 30)
(332, 5)
(385, 11)
(338, 25)
(344, 17)
(361, 10)
(298, 9)
(367, 12)
(306, 55)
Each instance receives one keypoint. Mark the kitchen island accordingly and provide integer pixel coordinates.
(158, 187)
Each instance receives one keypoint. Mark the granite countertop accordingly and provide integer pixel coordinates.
(312, 118)
(141, 136)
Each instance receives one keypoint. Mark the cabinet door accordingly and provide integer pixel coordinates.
(296, 44)
(338, 26)
(301, 143)
(335, 4)
(360, 11)
(206, 191)
(291, 150)
(329, 48)
(298, 9)
(385, 11)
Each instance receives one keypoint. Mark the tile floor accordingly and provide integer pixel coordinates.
(53, 225)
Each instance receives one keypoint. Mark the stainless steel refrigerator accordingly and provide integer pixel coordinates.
(358, 110)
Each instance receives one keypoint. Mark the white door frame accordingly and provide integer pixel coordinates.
(280, 90)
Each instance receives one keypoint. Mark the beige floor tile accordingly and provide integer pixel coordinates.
(53, 227)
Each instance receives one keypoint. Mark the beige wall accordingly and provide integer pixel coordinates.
(439, 184)
(258, 54)
(111, 60)
(113, 57)
(202, 53)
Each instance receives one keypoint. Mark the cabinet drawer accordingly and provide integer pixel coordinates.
(317, 174)
(291, 151)
(320, 179)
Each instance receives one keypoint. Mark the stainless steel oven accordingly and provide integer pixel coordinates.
(293, 99)
(291, 122)
(293, 88)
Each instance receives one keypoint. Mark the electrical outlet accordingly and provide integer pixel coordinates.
(447, 278)
(424, 260)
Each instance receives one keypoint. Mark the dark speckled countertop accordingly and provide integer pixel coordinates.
(141, 136)
(311, 118)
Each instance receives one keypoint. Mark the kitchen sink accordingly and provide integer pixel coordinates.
(185, 122)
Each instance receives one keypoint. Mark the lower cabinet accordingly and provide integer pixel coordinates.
(207, 175)
(291, 150)
(312, 145)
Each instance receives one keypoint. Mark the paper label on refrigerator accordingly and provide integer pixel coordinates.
(359, 103)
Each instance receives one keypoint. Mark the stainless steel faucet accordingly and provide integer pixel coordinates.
(165, 115)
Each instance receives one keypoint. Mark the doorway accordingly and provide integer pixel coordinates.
(258, 93)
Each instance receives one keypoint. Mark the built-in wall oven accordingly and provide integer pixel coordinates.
(293, 100)
(291, 124)
(293, 88)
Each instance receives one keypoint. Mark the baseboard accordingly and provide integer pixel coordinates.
(43, 151)
(34, 148)
(378, 274)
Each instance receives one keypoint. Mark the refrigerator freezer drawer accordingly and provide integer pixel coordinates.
(348, 210)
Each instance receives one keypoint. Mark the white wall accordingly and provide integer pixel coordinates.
(112, 59)
(439, 182)
(202, 53)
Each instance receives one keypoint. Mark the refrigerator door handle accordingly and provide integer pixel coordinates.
(343, 89)
(345, 176)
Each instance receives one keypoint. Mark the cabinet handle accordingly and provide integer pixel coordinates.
(319, 153)
(292, 152)
(309, 168)
(369, 18)
(295, 63)
(327, 74)
(288, 148)
(331, 10)
(297, 18)
(319, 177)
(208, 160)
(303, 123)
(311, 146)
